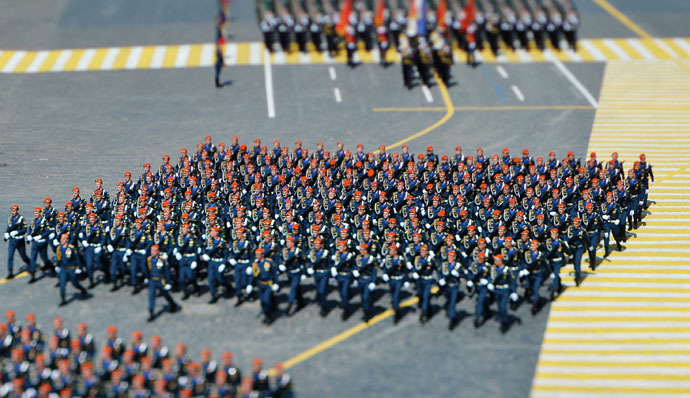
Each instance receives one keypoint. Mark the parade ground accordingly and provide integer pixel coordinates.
(91, 89)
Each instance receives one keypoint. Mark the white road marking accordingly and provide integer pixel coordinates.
(642, 50)
(133, 58)
(502, 71)
(38, 61)
(559, 65)
(61, 60)
(158, 57)
(331, 73)
(13, 61)
(613, 46)
(427, 94)
(207, 55)
(518, 93)
(336, 92)
(109, 58)
(86, 59)
(268, 78)
(682, 44)
(182, 56)
(254, 53)
(230, 56)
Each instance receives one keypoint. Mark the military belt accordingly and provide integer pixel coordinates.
(505, 286)
(189, 255)
(217, 259)
(266, 282)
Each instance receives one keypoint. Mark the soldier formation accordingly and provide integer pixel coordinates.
(250, 219)
(423, 32)
(34, 363)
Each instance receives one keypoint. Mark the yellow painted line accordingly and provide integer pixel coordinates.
(194, 59)
(341, 57)
(584, 54)
(121, 58)
(604, 49)
(622, 18)
(292, 58)
(485, 108)
(487, 55)
(242, 53)
(316, 57)
(73, 60)
(97, 59)
(609, 389)
(611, 329)
(632, 53)
(146, 57)
(48, 63)
(366, 56)
(19, 275)
(614, 299)
(627, 364)
(586, 319)
(170, 56)
(5, 56)
(615, 376)
(607, 342)
(655, 49)
(26, 61)
(675, 47)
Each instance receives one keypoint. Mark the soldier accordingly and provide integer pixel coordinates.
(423, 274)
(241, 253)
(118, 243)
(577, 240)
(186, 253)
(610, 214)
(157, 283)
(451, 272)
(318, 267)
(536, 265)
(593, 225)
(365, 272)
(14, 234)
(502, 290)
(395, 273)
(292, 264)
(93, 241)
(556, 250)
(38, 234)
(139, 241)
(216, 255)
(343, 266)
(220, 62)
(67, 263)
(262, 270)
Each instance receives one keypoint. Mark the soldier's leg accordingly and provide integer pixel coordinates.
(366, 295)
(452, 300)
(556, 269)
(89, 259)
(75, 282)
(21, 248)
(502, 301)
(43, 251)
(607, 236)
(536, 284)
(152, 296)
(426, 296)
(11, 247)
(322, 289)
(481, 297)
(577, 259)
(32, 260)
(294, 282)
(395, 285)
(133, 270)
(212, 269)
(344, 285)
(239, 279)
(63, 283)
(592, 250)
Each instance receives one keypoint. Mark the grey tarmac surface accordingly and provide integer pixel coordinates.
(64, 130)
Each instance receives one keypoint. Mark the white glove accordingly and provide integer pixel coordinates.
(28, 238)
(616, 222)
(334, 272)
(175, 251)
(78, 271)
(85, 243)
(81, 234)
(146, 280)
(302, 278)
(632, 212)
(463, 254)
(483, 282)
(228, 225)
(415, 275)
(470, 284)
(178, 256)
(167, 286)
(427, 225)
(282, 268)
(128, 252)
(205, 257)
(355, 283)
(310, 271)
(513, 296)
(552, 213)
(371, 286)
(125, 258)
(232, 262)
(606, 234)
(442, 282)
(409, 265)
(590, 248)
(193, 265)
(524, 272)
(406, 285)
(248, 271)
(385, 277)
(606, 217)
(51, 236)
(275, 287)
(164, 256)
(249, 289)
(7, 236)
(107, 229)
(355, 273)
(97, 250)
(221, 268)
(552, 275)
(198, 250)
(58, 269)
(55, 242)
(491, 287)
(110, 248)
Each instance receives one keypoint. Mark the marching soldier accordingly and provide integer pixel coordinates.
(157, 282)
(423, 274)
(318, 257)
(67, 263)
(556, 250)
(292, 264)
(501, 283)
(216, 255)
(365, 272)
(14, 234)
(262, 270)
(186, 253)
(536, 265)
(342, 270)
(451, 272)
(139, 241)
(38, 234)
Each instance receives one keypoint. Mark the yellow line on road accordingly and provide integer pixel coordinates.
(19, 275)
(485, 108)
(622, 18)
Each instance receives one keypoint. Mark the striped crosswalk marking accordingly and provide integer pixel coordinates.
(251, 53)
(625, 331)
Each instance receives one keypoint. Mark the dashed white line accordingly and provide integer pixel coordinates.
(559, 65)
(331, 72)
(502, 72)
(268, 78)
(518, 93)
(427, 94)
(336, 92)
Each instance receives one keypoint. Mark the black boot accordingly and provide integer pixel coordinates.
(477, 321)
(151, 316)
(218, 82)
(10, 275)
(63, 302)
(33, 279)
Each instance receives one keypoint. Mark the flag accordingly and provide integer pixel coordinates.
(441, 14)
(380, 8)
(416, 19)
(344, 21)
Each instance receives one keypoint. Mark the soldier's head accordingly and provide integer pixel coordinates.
(508, 242)
(576, 222)
(185, 229)
(64, 239)
(290, 242)
(498, 260)
(424, 250)
(92, 218)
(609, 197)
(471, 230)
(38, 212)
(481, 243)
(534, 245)
(554, 233)
(75, 193)
(318, 243)
(452, 256)
(481, 257)
(48, 203)
(589, 207)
